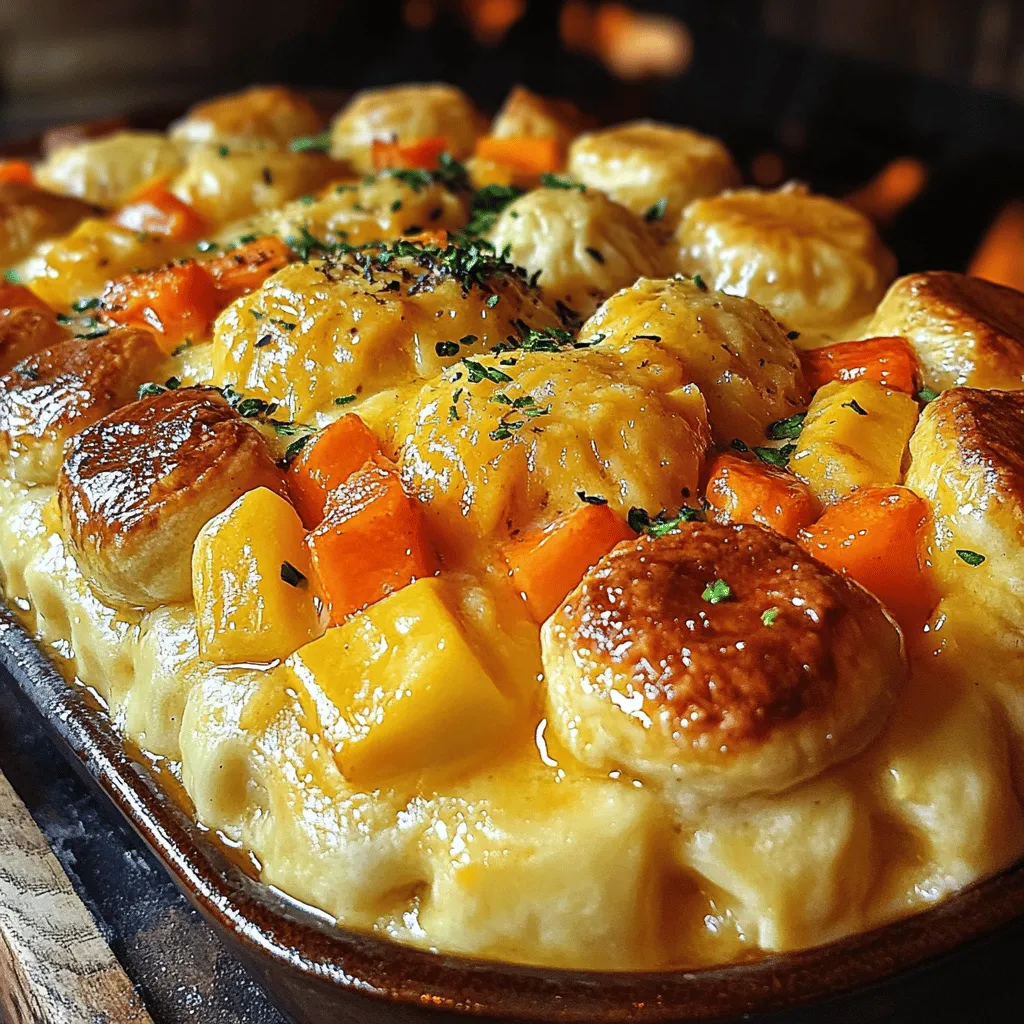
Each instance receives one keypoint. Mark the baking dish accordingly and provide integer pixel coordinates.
(317, 973)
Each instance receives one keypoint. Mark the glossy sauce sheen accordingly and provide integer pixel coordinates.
(715, 747)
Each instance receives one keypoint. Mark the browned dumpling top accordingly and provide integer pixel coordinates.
(138, 486)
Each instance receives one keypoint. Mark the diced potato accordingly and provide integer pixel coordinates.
(855, 435)
(251, 579)
(80, 264)
(398, 688)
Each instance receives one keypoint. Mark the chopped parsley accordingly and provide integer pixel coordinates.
(657, 211)
(591, 499)
(292, 576)
(320, 143)
(182, 348)
(787, 429)
(855, 406)
(11, 276)
(63, 319)
(344, 399)
(307, 200)
(792, 335)
(447, 348)
(81, 305)
(595, 254)
(291, 453)
(927, 395)
(775, 456)
(285, 325)
(972, 558)
(223, 151)
(396, 206)
(487, 205)
(557, 181)
(205, 245)
(769, 615)
(641, 521)
(716, 592)
(739, 445)
(492, 300)
(699, 282)
(478, 372)
(264, 340)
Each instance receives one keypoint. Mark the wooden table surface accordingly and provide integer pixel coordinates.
(177, 965)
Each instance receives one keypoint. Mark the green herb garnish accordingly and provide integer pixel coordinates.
(716, 592)
(972, 558)
(657, 211)
(786, 429)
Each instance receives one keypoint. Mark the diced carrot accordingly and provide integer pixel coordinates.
(177, 302)
(17, 296)
(154, 209)
(879, 537)
(531, 156)
(438, 239)
(741, 491)
(326, 463)
(371, 542)
(423, 154)
(890, 361)
(15, 171)
(244, 269)
(546, 564)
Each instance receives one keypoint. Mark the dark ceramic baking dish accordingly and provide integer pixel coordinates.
(318, 973)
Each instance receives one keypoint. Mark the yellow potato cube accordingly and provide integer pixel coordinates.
(855, 435)
(252, 582)
(398, 688)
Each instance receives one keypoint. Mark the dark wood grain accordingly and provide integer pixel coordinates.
(55, 967)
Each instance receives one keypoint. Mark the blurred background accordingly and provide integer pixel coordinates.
(913, 110)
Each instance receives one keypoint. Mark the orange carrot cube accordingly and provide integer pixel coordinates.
(527, 155)
(326, 463)
(547, 564)
(741, 491)
(423, 154)
(372, 541)
(154, 209)
(176, 302)
(879, 537)
(890, 361)
(242, 270)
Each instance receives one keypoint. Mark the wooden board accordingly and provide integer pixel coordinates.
(55, 967)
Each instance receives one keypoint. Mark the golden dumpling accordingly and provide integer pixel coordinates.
(263, 116)
(652, 168)
(582, 246)
(505, 443)
(406, 113)
(225, 184)
(815, 263)
(965, 330)
(967, 459)
(648, 674)
(381, 206)
(107, 170)
(731, 348)
(29, 215)
(358, 324)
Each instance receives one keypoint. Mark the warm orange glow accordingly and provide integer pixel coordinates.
(767, 169)
(576, 26)
(491, 19)
(630, 43)
(1000, 256)
(419, 14)
(890, 190)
